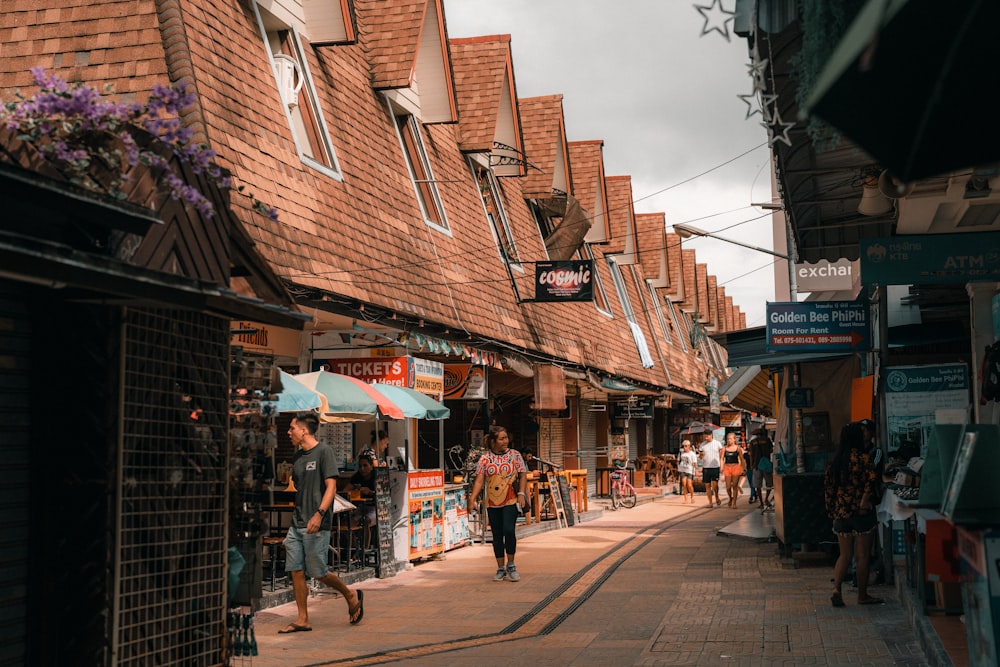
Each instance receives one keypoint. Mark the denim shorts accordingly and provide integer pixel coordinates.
(309, 552)
(859, 524)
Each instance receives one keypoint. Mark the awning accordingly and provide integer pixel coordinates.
(748, 347)
(348, 397)
(413, 404)
(906, 84)
(747, 390)
(295, 396)
(60, 266)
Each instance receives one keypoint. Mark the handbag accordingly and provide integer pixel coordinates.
(764, 465)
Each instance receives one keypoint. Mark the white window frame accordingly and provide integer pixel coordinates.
(502, 232)
(296, 122)
(619, 279)
(658, 309)
(681, 326)
(425, 165)
(587, 253)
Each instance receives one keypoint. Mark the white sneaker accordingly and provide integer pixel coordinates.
(512, 573)
(500, 575)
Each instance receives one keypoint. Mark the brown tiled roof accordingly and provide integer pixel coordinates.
(652, 235)
(701, 287)
(675, 267)
(622, 217)
(587, 161)
(360, 237)
(391, 34)
(689, 295)
(482, 67)
(713, 304)
(82, 42)
(544, 145)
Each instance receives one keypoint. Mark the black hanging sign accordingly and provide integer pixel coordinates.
(570, 280)
(383, 518)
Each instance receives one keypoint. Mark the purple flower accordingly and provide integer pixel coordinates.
(61, 120)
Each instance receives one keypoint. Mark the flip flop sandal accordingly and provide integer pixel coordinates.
(294, 627)
(871, 600)
(357, 612)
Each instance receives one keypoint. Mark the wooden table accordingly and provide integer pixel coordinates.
(578, 479)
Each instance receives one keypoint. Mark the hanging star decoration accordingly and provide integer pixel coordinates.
(759, 103)
(777, 129)
(716, 17)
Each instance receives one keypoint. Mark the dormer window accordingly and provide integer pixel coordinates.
(420, 171)
(489, 192)
(297, 94)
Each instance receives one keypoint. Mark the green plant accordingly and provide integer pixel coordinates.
(88, 138)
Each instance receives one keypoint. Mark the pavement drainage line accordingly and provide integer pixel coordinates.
(510, 633)
(652, 533)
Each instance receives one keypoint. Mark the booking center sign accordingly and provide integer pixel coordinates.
(422, 375)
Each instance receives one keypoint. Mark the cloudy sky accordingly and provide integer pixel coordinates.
(639, 75)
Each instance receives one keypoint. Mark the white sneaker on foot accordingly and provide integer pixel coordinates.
(500, 575)
(512, 573)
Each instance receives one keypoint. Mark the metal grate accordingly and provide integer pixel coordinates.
(171, 537)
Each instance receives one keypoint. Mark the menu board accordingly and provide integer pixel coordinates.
(425, 495)
(563, 485)
(383, 518)
(340, 438)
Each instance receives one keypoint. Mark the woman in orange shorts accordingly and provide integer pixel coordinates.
(732, 468)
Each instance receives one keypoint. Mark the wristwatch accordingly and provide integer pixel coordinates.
(321, 511)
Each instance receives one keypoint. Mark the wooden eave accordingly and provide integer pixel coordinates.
(587, 159)
(652, 235)
(621, 215)
(487, 100)
(545, 147)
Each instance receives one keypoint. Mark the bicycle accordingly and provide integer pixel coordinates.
(622, 491)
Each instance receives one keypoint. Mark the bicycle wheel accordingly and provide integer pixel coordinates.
(616, 498)
(628, 497)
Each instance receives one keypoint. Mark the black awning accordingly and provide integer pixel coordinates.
(61, 267)
(748, 347)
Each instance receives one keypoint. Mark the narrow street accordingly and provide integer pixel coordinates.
(654, 585)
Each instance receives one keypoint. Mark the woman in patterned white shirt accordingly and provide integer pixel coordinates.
(501, 470)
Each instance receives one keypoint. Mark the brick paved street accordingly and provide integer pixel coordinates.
(654, 585)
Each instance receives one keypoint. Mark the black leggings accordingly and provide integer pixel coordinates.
(503, 520)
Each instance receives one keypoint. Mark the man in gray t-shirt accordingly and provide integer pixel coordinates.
(711, 462)
(308, 540)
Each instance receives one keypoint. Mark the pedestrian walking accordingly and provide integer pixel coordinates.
(849, 487)
(711, 462)
(502, 472)
(761, 469)
(732, 461)
(314, 471)
(687, 463)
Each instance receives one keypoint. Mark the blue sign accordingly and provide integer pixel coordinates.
(931, 259)
(818, 326)
(799, 397)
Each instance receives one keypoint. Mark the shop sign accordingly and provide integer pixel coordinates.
(931, 259)
(639, 408)
(424, 375)
(465, 382)
(820, 326)
(564, 280)
(826, 276)
(425, 499)
(257, 337)
(799, 397)
(915, 394)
